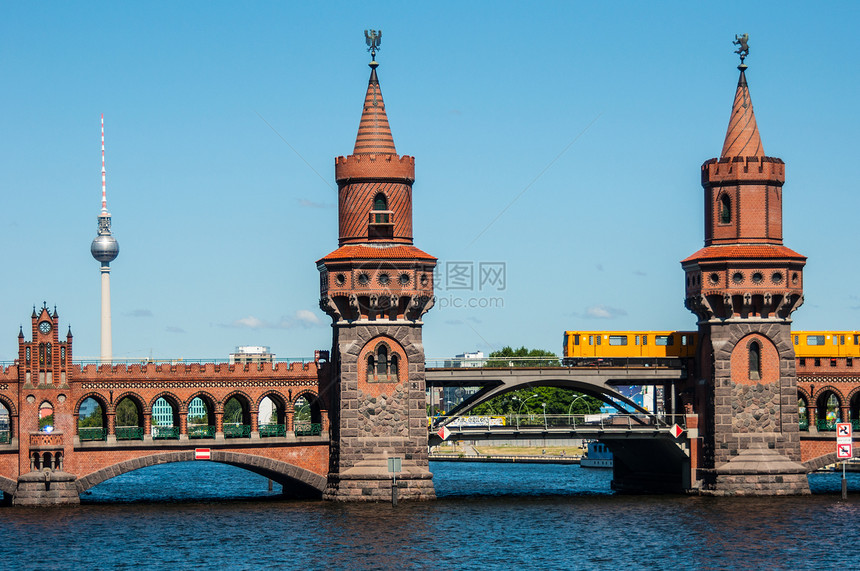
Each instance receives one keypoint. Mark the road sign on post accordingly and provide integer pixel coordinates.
(844, 445)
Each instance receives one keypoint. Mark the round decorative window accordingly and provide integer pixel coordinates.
(737, 277)
(384, 279)
(776, 278)
(340, 279)
(404, 279)
(363, 279)
(714, 278)
(757, 278)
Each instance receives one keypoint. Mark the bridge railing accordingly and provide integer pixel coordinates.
(559, 421)
(591, 363)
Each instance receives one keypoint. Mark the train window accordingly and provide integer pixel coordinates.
(598, 339)
(684, 340)
(591, 339)
(842, 340)
(815, 339)
(834, 339)
(576, 339)
(637, 339)
(644, 339)
(616, 340)
(797, 340)
(663, 340)
(857, 339)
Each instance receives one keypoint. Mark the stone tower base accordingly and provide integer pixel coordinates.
(46, 489)
(758, 471)
(370, 481)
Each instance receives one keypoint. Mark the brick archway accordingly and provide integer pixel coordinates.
(8, 485)
(826, 460)
(300, 480)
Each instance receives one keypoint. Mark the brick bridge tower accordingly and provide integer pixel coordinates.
(743, 286)
(47, 425)
(376, 287)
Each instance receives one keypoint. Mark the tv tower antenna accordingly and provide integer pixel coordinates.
(105, 249)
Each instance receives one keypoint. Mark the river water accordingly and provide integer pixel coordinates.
(488, 516)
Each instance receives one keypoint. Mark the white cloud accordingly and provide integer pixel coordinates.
(307, 317)
(603, 312)
(250, 322)
(301, 318)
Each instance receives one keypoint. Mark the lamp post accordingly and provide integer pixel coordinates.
(521, 408)
(545, 427)
(588, 408)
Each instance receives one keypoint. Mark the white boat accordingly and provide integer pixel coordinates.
(596, 456)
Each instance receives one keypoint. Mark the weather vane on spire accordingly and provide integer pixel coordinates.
(373, 39)
(744, 49)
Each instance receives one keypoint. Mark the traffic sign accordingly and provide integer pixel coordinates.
(843, 429)
(202, 454)
(676, 431)
(444, 433)
(844, 451)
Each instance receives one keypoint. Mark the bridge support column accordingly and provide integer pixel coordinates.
(377, 421)
(46, 488)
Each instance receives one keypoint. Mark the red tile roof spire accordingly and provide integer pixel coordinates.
(742, 138)
(374, 133)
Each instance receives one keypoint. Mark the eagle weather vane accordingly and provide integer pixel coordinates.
(373, 39)
(744, 49)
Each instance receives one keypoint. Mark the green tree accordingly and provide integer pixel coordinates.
(522, 357)
(126, 413)
(233, 413)
(46, 421)
(94, 420)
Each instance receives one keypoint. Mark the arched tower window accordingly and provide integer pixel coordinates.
(380, 207)
(393, 368)
(48, 353)
(382, 366)
(725, 209)
(755, 361)
(381, 218)
(382, 361)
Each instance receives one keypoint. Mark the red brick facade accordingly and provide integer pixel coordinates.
(45, 378)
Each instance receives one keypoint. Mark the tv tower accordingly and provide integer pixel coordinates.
(105, 249)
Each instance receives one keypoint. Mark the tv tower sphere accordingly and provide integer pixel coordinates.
(104, 248)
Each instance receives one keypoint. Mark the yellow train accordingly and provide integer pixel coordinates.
(584, 347)
(590, 346)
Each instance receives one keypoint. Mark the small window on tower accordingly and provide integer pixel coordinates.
(725, 209)
(381, 219)
(755, 361)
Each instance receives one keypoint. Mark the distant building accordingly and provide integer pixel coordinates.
(251, 354)
(475, 359)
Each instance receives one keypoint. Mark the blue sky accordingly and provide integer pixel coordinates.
(561, 139)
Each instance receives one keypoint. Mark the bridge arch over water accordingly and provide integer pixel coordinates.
(294, 479)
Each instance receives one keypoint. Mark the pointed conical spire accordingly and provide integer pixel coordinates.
(374, 133)
(742, 138)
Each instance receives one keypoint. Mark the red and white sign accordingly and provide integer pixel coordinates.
(444, 433)
(844, 446)
(202, 454)
(676, 431)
